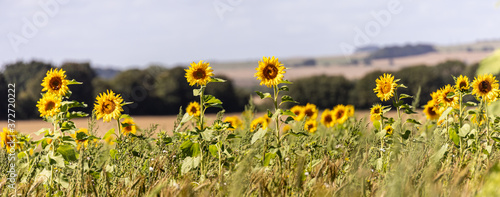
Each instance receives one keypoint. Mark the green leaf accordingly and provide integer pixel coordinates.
(267, 158)
(436, 157)
(109, 133)
(67, 125)
(74, 82)
(232, 136)
(259, 134)
(113, 153)
(285, 82)
(213, 151)
(197, 92)
(74, 114)
(287, 113)
(81, 136)
(195, 150)
(189, 163)
(444, 115)
(67, 151)
(269, 113)
(211, 100)
(413, 121)
(470, 104)
(403, 96)
(284, 88)
(453, 136)
(56, 160)
(184, 119)
(217, 80)
(186, 146)
(464, 130)
(286, 98)
(208, 134)
(289, 119)
(497, 139)
(263, 95)
(450, 95)
(125, 116)
(66, 105)
(43, 131)
(406, 135)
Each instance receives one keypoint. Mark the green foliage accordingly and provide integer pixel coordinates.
(324, 91)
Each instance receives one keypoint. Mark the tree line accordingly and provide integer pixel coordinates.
(162, 91)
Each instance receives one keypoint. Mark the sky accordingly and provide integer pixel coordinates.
(138, 33)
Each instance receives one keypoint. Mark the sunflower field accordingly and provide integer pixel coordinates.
(294, 149)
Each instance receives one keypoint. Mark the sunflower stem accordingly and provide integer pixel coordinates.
(276, 92)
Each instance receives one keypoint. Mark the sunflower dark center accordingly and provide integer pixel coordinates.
(108, 107)
(431, 111)
(309, 113)
(376, 111)
(270, 71)
(50, 105)
(193, 110)
(199, 73)
(339, 114)
(484, 87)
(310, 126)
(328, 118)
(55, 83)
(462, 85)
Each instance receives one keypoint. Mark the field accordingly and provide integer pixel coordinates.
(450, 148)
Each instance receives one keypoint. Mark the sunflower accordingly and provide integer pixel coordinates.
(8, 139)
(311, 126)
(298, 111)
(311, 111)
(435, 95)
(339, 114)
(479, 119)
(349, 110)
(199, 73)
(193, 109)
(386, 85)
(261, 121)
(270, 71)
(234, 121)
(128, 126)
(462, 83)
(55, 82)
(327, 118)
(388, 130)
(376, 112)
(485, 86)
(431, 110)
(79, 143)
(443, 96)
(49, 105)
(108, 106)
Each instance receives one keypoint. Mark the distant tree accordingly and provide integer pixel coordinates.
(324, 91)
(81, 72)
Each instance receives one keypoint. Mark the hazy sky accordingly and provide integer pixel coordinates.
(136, 33)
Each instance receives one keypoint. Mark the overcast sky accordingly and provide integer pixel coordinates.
(136, 33)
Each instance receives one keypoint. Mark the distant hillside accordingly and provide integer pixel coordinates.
(402, 51)
(106, 73)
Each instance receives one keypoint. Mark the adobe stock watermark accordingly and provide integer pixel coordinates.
(363, 35)
(223, 6)
(31, 26)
